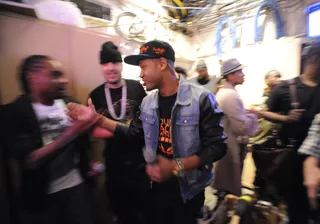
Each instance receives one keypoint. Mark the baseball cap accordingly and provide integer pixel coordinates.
(152, 49)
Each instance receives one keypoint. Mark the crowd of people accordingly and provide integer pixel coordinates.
(163, 147)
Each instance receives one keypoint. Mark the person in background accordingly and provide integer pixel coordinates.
(267, 128)
(295, 122)
(181, 71)
(50, 148)
(204, 79)
(181, 125)
(272, 79)
(238, 126)
(127, 184)
(311, 166)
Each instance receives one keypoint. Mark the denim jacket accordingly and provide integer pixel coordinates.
(196, 129)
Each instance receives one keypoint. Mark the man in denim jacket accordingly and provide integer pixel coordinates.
(181, 126)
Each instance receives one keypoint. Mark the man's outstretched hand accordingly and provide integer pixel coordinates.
(79, 112)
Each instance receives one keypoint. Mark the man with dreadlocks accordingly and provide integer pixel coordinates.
(49, 147)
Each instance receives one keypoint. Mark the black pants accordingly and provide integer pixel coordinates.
(168, 206)
(295, 195)
(69, 206)
(129, 197)
(297, 202)
(287, 182)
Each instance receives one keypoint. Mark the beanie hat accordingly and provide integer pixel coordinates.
(201, 66)
(109, 53)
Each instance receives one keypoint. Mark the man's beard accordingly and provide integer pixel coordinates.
(117, 79)
(60, 92)
(115, 82)
(59, 95)
(203, 77)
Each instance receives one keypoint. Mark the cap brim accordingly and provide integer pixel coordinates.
(136, 58)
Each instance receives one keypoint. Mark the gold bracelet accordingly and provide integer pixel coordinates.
(178, 168)
(175, 172)
(180, 165)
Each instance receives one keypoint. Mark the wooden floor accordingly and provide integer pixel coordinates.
(248, 175)
(248, 171)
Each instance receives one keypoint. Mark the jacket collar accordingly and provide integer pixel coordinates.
(24, 103)
(184, 93)
(26, 113)
(183, 96)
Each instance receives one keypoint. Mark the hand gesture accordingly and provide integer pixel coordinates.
(162, 170)
(311, 174)
(254, 111)
(79, 112)
(166, 167)
(294, 115)
(154, 172)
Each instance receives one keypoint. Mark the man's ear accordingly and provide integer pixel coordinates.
(30, 78)
(228, 77)
(163, 64)
(313, 59)
(267, 81)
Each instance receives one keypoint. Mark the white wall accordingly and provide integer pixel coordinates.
(185, 52)
(283, 54)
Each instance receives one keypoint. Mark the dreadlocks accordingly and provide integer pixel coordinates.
(33, 63)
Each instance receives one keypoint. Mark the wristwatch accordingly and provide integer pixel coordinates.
(178, 168)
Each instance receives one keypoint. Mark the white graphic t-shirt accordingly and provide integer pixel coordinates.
(53, 121)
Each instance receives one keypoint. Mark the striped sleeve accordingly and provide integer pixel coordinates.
(311, 145)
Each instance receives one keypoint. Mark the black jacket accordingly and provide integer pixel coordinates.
(25, 137)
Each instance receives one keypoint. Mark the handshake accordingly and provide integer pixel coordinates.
(84, 118)
(79, 112)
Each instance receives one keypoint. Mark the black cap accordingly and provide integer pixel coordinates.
(152, 49)
(109, 53)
